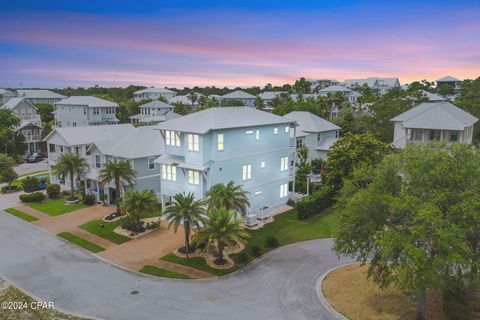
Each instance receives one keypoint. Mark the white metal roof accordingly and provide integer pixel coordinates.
(308, 123)
(154, 90)
(87, 134)
(13, 102)
(89, 101)
(448, 79)
(436, 115)
(334, 89)
(39, 94)
(238, 94)
(269, 95)
(157, 104)
(222, 118)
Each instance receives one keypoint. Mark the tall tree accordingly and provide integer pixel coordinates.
(302, 86)
(414, 218)
(219, 230)
(70, 165)
(185, 209)
(229, 196)
(469, 100)
(45, 110)
(121, 173)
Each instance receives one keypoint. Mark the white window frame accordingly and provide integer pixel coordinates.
(287, 129)
(284, 190)
(193, 142)
(284, 163)
(259, 192)
(275, 130)
(172, 138)
(220, 142)
(257, 134)
(263, 164)
(247, 172)
(98, 161)
(194, 177)
(169, 172)
(151, 162)
(249, 132)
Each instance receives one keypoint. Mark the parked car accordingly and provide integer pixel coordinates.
(34, 157)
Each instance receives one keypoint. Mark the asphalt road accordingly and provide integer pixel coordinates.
(31, 167)
(280, 285)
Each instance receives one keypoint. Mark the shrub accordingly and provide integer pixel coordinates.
(88, 199)
(53, 190)
(129, 223)
(65, 193)
(315, 203)
(8, 175)
(271, 242)
(242, 257)
(152, 225)
(256, 250)
(30, 184)
(10, 188)
(32, 197)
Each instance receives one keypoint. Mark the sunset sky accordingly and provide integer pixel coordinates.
(54, 44)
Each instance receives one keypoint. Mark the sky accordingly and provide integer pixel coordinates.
(178, 43)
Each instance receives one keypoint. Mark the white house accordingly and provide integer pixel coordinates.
(433, 121)
(154, 112)
(381, 85)
(153, 94)
(77, 111)
(185, 99)
(351, 95)
(40, 96)
(452, 81)
(317, 134)
(316, 85)
(247, 99)
(30, 122)
(6, 95)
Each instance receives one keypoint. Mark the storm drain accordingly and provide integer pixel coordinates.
(134, 292)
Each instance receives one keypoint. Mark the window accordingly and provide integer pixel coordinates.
(61, 149)
(85, 110)
(287, 129)
(74, 123)
(299, 143)
(193, 144)
(98, 161)
(194, 177)
(249, 132)
(283, 190)
(77, 150)
(172, 138)
(51, 147)
(275, 130)
(263, 164)
(283, 163)
(418, 134)
(220, 142)
(169, 172)
(453, 136)
(257, 134)
(435, 135)
(259, 192)
(151, 163)
(247, 172)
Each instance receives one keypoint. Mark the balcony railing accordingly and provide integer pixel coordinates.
(33, 137)
(28, 116)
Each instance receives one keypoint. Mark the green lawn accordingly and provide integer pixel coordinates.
(105, 232)
(286, 228)
(21, 215)
(159, 272)
(85, 244)
(55, 207)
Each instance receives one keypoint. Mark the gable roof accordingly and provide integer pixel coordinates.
(88, 134)
(6, 91)
(436, 115)
(238, 94)
(308, 123)
(157, 104)
(391, 82)
(139, 142)
(13, 102)
(448, 79)
(181, 99)
(433, 96)
(154, 90)
(222, 118)
(39, 94)
(269, 95)
(335, 89)
(89, 101)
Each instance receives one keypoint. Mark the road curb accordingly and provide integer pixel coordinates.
(335, 314)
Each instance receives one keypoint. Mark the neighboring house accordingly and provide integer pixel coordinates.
(451, 81)
(77, 140)
(433, 97)
(154, 112)
(247, 99)
(351, 95)
(433, 121)
(185, 100)
(153, 94)
(250, 147)
(268, 96)
(30, 123)
(381, 85)
(306, 96)
(80, 111)
(40, 96)
(140, 146)
(322, 83)
(317, 134)
(6, 95)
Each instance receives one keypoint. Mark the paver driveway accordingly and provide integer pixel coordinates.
(281, 285)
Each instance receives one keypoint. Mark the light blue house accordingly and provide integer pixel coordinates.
(252, 148)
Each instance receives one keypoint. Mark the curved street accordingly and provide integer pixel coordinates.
(280, 285)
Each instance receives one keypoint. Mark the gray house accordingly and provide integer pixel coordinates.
(154, 112)
(79, 111)
(140, 146)
(6, 95)
(40, 96)
(433, 121)
(317, 134)
(381, 85)
(247, 99)
(153, 94)
(451, 81)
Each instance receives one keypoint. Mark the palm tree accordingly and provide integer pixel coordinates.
(230, 196)
(121, 174)
(137, 202)
(219, 230)
(187, 210)
(71, 165)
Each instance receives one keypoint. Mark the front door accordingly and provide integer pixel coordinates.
(113, 195)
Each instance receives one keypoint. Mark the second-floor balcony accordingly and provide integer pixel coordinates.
(33, 137)
(28, 116)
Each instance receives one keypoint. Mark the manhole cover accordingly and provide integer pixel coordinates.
(134, 292)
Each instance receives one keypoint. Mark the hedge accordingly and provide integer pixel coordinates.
(32, 197)
(319, 200)
(53, 190)
(9, 188)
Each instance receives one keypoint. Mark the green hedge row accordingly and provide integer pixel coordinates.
(319, 200)
(32, 197)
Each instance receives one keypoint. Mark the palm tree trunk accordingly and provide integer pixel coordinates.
(421, 303)
(186, 225)
(117, 198)
(220, 250)
(72, 191)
